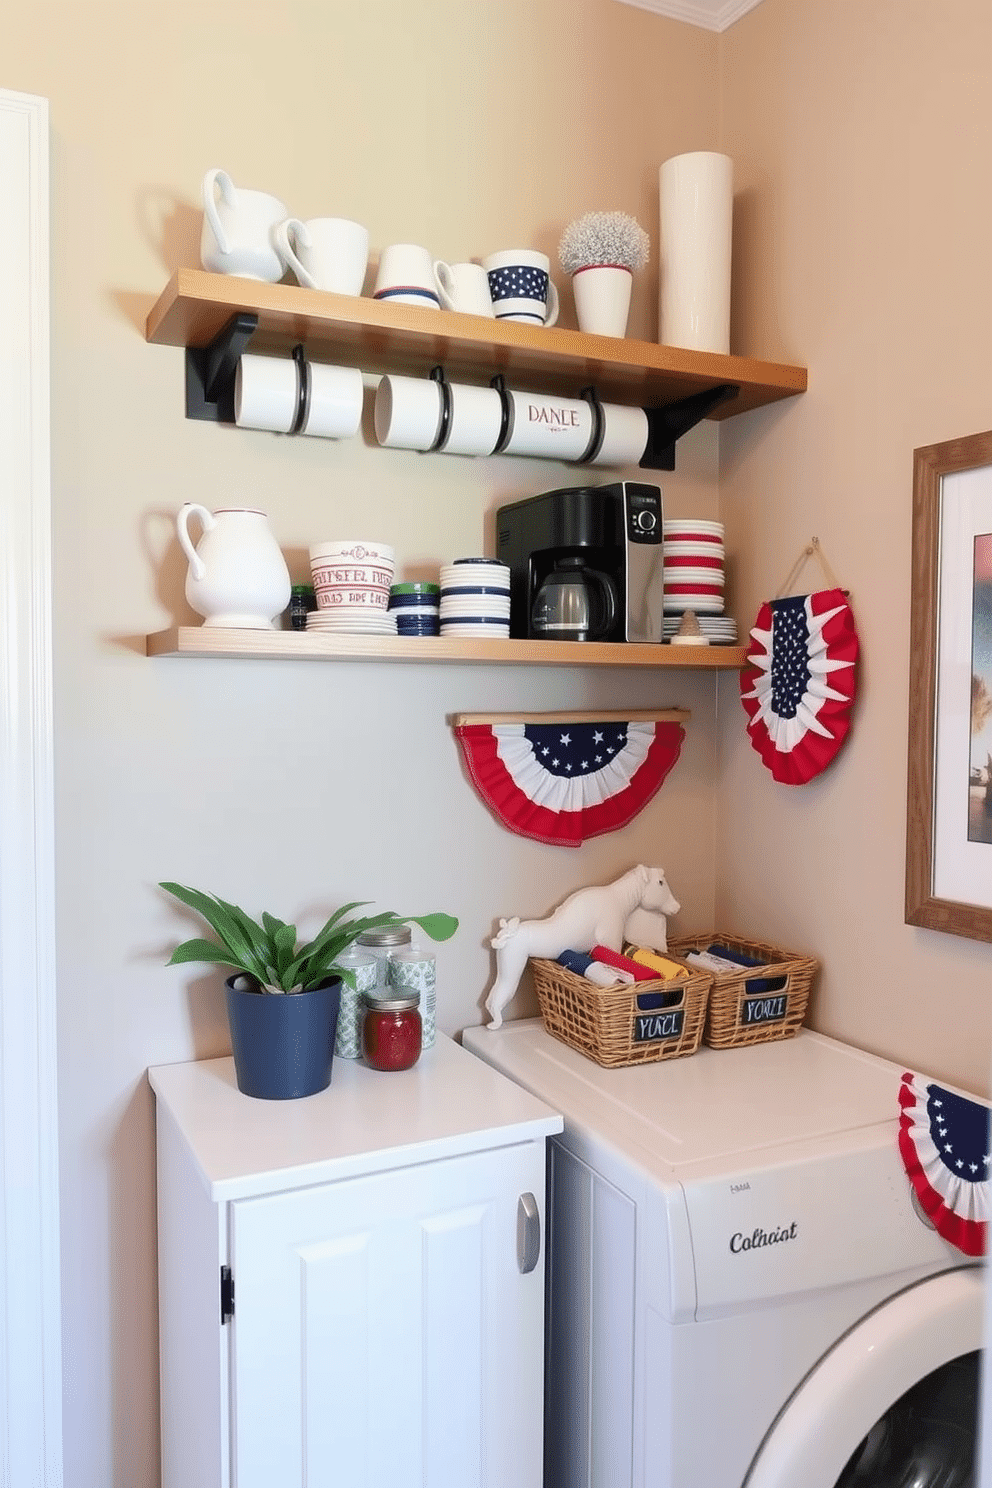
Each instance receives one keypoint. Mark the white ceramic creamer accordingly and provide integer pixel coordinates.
(237, 575)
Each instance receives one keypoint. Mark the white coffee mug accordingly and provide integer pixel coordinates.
(237, 229)
(624, 435)
(551, 427)
(408, 412)
(266, 393)
(334, 407)
(475, 420)
(521, 287)
(405, 276)
(329, 253)
(463, 287)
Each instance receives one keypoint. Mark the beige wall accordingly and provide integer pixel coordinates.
(295, 787)
(862, 253)
(861, 139)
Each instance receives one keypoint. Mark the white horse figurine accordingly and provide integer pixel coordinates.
(595, 916)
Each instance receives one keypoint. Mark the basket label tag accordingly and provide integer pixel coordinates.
(762, 1010)
(652, 1027)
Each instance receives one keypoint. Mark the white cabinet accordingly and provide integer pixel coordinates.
(383, 1242)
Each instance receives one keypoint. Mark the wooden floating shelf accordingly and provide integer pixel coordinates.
(289, 645)
(358, 331)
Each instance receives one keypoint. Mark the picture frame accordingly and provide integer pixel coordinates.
(949, 789)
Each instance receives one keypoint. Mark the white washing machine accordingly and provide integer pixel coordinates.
(741, 1289)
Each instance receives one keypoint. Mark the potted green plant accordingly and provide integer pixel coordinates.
(283, 996)
(601, 251)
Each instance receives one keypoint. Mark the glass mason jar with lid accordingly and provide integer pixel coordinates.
(381, 943)
(391, 1029)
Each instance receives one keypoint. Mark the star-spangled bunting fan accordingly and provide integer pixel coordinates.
(944, 1144)
(798, 683)
(559, 778)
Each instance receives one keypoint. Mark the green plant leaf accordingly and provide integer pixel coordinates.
(345, 909)
(269, 951)
(285, 941)
(254, 937)
(239, 934)
(202, 950)
(438, 926)
(280, 944)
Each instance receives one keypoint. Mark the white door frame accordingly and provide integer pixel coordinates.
(30, 1293)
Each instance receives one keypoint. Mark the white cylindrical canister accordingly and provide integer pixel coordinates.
(695, 199)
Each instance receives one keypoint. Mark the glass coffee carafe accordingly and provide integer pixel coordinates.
(574, 603)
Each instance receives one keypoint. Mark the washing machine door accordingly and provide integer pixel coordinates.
(850, 1407)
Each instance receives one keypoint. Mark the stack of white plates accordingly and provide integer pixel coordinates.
(693, 566)
(475, 598)
(375, 622)
(719, 630)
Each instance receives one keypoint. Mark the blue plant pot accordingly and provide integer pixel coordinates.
(283, 1046)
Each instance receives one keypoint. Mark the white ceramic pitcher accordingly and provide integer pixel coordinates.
(237, 575)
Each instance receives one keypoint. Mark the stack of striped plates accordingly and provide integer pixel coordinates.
(475, 599)
(694, 570)
(719, 630)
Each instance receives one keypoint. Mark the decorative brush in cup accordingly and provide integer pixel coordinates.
(601, 251)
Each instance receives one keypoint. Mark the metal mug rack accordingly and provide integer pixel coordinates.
(211, 371)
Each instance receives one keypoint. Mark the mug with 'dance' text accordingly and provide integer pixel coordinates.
(547, 426)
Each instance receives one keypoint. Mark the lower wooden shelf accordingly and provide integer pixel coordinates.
(290, 645)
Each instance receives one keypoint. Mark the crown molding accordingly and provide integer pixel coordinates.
(712, 15)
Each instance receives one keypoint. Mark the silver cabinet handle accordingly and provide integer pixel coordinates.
(528, 1233)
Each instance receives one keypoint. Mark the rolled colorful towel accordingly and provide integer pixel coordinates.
(661, 964)
(594, 971)
(639, 972)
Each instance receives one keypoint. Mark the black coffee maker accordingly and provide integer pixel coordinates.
(586, 563)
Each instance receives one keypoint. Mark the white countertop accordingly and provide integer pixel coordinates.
(366, 1121)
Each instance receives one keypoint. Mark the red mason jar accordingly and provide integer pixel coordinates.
(391, 1029)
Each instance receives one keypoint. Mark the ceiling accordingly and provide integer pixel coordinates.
(713, 15)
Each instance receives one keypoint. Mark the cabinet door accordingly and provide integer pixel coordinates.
(384, 1335)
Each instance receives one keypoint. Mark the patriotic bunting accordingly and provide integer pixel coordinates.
(944, 1145)
(560, 780)
(798, 683)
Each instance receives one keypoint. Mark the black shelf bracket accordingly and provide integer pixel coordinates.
(210, 370)
(667, 425)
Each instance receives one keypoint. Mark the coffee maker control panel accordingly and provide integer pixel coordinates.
(643, 513)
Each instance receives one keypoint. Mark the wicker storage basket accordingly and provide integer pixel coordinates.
(635, 1023)
(753, 1006)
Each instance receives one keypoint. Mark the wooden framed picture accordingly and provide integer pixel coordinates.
(949, 792)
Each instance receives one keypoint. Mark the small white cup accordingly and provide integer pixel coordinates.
(521, 286)
(335, 406)
(266, 393)
(405, 276)
(475, 421)
(463, 287)
(408, 412)
(237, 229)
(329, 253)
(547, 426)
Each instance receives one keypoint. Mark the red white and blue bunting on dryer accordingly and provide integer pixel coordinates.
(562, 777)
(944, 1145)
